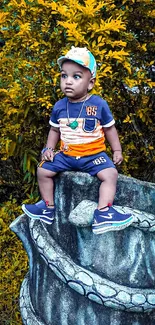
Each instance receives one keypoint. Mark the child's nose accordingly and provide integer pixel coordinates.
(69, 80)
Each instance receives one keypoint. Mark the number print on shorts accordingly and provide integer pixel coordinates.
(99, 161)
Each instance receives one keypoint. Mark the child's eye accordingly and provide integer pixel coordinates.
(76, 76)
(63, 75)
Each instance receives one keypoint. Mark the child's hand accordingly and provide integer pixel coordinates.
(117, 157)
(48, 155)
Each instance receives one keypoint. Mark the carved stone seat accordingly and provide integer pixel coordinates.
(78, 278)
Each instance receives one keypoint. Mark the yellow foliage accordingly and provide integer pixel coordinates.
(14, 265)
(3, 16)
(152, 13)
(127, 119)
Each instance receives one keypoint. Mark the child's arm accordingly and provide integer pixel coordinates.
(113, 139)
(52, 140)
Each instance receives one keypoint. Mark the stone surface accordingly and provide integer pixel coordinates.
(82, 216)
(78, 278)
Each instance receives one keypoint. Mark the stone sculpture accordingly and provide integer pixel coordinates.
(78, 278)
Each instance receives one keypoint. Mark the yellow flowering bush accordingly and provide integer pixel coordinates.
(37, 32)
(13, 265)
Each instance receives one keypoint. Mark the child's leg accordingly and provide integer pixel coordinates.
(107, 189)
(46, 185)
(45, 210)
(107, 218)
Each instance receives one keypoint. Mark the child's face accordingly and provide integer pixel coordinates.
(75, 80)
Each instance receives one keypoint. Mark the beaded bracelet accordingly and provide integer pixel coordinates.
(44, 149)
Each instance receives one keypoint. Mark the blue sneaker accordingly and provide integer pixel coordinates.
(110, 220)
(39, 211)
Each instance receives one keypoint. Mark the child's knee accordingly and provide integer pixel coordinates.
(42, 172)
(110, 174)
(114, 173)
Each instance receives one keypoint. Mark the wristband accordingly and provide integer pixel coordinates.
(44, 149)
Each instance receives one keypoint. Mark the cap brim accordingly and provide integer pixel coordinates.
(61, 60)
(64, 58)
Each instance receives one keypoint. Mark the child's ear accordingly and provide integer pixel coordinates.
(91, 84)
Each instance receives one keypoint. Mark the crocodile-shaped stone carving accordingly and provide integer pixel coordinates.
(75, 276)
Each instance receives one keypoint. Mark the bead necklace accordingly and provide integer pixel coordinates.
(73, 125)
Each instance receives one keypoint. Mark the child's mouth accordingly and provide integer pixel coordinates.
(68, 89)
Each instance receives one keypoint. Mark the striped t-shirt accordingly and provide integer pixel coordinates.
(88, 138)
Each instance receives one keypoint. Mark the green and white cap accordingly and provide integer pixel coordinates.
(82, 56)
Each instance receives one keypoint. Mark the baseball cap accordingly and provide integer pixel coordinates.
(82, 56)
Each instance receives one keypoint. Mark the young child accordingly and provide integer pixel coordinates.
(82, 122)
